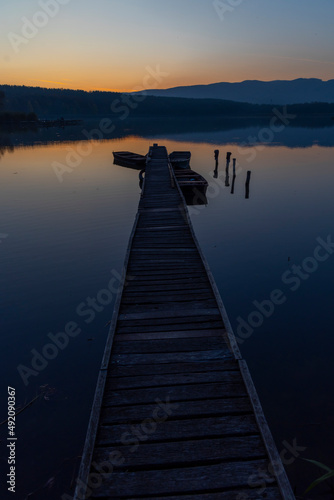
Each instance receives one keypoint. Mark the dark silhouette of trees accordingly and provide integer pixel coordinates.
(53, 103)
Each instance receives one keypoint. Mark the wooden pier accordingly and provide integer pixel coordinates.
(175, 414)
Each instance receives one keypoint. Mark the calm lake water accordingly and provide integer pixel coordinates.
(62, 242)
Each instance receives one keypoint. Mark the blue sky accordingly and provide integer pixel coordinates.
(110, 44)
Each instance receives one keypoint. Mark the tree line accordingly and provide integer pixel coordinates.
(54, 103)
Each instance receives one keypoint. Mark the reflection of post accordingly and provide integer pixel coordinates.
(215, 173)
(247, 184)
(227, 176)
(234, 176)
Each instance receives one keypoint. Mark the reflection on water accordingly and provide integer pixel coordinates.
(245, 133)
(67, 239)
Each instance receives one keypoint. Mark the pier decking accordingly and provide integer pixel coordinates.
(175, 414)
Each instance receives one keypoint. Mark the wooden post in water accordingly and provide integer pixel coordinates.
(247, 183)
(227, 176)
(215, 173)
(234, 176)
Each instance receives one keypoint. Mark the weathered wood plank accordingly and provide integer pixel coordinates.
(204, 366)
(169, 345)
(171, 313)
(170, 335)
(140, 283)
(190, 453)
(160, 308)
(174, 392)
(178, 289)
(165, 277)
(173, 357)
(169, 326)
(174, 430)
(219, 476)
(191, 409)
(116, 383)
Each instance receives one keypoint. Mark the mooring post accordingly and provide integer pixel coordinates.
(247, 183)
(215, 173)
(234, 176)
(227, 177)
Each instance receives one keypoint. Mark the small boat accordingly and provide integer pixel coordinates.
(188, 180)
(180, 159)
(128, 159)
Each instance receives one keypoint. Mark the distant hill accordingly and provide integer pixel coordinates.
(56, 103)
(302, 90)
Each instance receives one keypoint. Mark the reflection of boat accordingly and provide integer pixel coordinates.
(180, 159)
(128, 159)
(193, 186)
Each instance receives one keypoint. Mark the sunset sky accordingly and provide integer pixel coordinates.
(110, 44)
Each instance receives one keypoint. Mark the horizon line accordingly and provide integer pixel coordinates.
(119, 91)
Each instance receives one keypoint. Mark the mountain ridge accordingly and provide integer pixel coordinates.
(297, 91)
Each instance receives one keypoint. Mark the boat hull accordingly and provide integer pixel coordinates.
(180, 159)
(131, 160)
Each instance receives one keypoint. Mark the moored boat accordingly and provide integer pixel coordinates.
(180, 159)
(192, 185)
(189, 180)
(128, 159)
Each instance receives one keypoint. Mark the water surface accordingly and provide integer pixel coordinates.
(62, 242)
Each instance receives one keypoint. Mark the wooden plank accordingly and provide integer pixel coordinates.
(175, 430)
(169, 326)
(149, 251)
(166, 308)
(169, 345)
(115, 383)
(154, 368)
(175, 393)
(158, 482)
(174, 314)
(180, 322)
(139, 285)
(165, 276)
(186, 453)
(189, 289)
(173, 357)
(190, 409)
(165, 265)
(170, 335)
